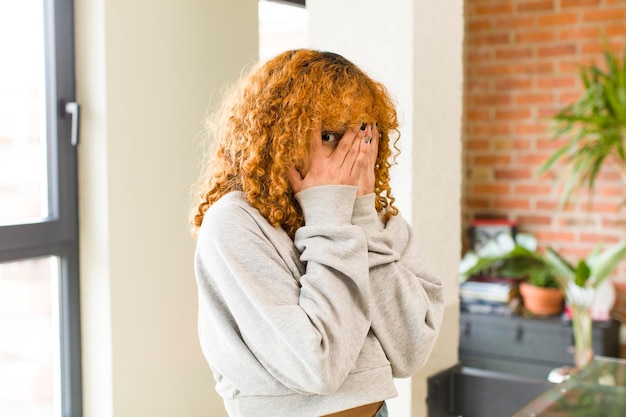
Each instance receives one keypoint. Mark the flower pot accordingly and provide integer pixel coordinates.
(541, 301)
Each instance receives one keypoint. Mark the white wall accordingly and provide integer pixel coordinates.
(415, 48)
(146, 74)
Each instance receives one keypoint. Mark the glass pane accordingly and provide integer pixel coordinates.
(23, 147)
(282, 26)
(29, 338)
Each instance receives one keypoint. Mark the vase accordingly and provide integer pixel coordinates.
(580, 301)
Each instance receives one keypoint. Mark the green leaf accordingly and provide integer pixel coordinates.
(564, 271)
(605, 262)
(583, 272)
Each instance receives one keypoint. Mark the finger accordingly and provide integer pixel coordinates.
(316, 140)
(359, 146)
(363, 156)
(362, 159)
(375, 142)
(346, 142)
(295, 179)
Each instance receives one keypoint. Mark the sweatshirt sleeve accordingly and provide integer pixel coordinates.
(407, 306)
(306, 334)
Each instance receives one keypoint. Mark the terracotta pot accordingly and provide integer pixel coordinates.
(542, 301)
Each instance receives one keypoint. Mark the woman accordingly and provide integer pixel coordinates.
(313, 294)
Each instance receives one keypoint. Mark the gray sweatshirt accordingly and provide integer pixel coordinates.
(318, 324)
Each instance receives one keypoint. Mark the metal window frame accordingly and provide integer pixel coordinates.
(301, 3)
(57, 235)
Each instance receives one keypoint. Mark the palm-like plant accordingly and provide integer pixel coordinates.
(594, 126)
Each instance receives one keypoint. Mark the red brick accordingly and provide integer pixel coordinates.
(534, 68)
(513, 174)
(545, 236)
(573, 67)
(532, 128)
(575, 33)
(511, 204)
(558, 19)
(534, 98)
(598, 15)
(473, 114)
(597, 48)
(535, 5)
(492, 99)
(556, 82)
(535, 37)
(478, 25)
(546, 205)
(565, 4)
(532, 159)
(515, 114)
(477, 56)
(494, 9)
(604, 207)
(490, 39)
(510, 144)
(492, 129)
(596, 238)
(615, 30)
(478, 85)
(534, 220)
(557, 50)
(611, 191)
(516, 22)
(614, 223)
(520, 144)
(477, 144)
(537, 189)
(549, 144)
(546, 112)
(573, 220)
(513, 83)
(569, 97)
(491, 189)
(476, 203)
(491, 70)
(609, 175)
(492, 160)
(513, 53)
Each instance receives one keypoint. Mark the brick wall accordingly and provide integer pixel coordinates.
(521, 60)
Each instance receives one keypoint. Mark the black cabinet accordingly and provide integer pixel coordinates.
(527, 347)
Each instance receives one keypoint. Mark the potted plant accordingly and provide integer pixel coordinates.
(580, 283)
(518, 258)
(594, 127)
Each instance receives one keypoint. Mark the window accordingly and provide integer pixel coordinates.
(283, 25)
(39, 305)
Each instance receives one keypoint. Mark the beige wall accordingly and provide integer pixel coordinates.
(415, 48)
(146, 73)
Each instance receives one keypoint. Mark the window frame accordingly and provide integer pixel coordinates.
(57, 235)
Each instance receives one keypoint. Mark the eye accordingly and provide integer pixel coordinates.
(330, 137)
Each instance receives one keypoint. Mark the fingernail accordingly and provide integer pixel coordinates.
(363, 126)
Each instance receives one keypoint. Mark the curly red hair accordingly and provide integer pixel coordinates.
(264, 126)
